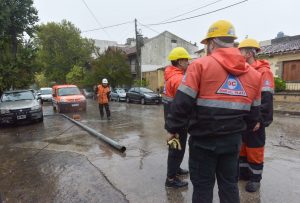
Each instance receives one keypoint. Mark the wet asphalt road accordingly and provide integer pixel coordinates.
(56, 161)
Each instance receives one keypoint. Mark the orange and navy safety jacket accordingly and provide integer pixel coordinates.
(173, 77)
(267, 91)
(222, 90)
(103, 94)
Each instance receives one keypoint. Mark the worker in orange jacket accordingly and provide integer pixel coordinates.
(103, 98)
(252, 150)
(173, 75)
(224, 94)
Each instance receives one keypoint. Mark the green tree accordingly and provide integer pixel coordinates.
(113, 66)
(76, 76)
(40, 80)
(280, 85)
(60, 48)
(17, 55)
(16, 18)
(141, 83)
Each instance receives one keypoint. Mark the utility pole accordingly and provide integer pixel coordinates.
(138, 54)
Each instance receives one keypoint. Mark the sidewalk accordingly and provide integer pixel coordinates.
(292, 108)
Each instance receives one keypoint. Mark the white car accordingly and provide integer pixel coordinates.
(118, 94)
(46, 94)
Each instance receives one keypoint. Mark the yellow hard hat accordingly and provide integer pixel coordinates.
(251, 43)
(178, 53)
(221, 28)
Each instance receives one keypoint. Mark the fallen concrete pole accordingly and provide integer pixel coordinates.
(97, 134)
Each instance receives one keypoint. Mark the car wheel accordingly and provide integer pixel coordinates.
(127, 100)
(54, 108)
(143, 101)
(118, 99)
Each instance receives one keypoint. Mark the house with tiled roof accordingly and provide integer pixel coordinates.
(154, 56)
(283, 53)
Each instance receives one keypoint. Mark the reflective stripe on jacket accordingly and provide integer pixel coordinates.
(103, 94)
(222, 90)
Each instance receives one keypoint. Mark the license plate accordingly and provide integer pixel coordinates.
(73, 105)
(21, 117)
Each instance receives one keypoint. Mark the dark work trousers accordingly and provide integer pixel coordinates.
(210, 158)
(106, 106)
(175, 156)
(252, 155)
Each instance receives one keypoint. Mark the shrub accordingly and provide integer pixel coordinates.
(279, 85)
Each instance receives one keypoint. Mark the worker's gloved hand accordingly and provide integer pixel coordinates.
(174, 143)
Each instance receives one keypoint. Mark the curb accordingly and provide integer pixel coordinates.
(295, 113)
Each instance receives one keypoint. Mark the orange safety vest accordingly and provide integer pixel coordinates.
(103, 94)
(173, 77)
(221, 89)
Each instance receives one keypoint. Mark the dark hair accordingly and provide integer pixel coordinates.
(250, 50)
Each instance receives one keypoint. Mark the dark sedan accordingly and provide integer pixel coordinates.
(142, 95)
(19, 105)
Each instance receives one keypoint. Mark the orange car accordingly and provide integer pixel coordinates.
(67, 98)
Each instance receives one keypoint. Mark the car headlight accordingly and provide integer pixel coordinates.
(4, 111)
(81, 99)
(37, 107)
(147, 96)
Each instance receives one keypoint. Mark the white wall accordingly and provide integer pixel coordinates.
(154, 53)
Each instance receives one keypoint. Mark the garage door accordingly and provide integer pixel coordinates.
(291, 71)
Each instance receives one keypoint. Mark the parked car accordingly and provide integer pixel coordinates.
(142, 95)
(46, 94)
(118, 94)
(67, 98)
(19, 105)
(88, 92)
(35, 93)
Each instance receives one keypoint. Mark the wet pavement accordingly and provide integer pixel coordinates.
(56, 161)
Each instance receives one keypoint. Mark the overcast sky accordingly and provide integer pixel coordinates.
(260, 19)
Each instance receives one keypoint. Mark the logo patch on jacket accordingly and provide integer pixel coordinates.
(232, 86)
(267, 83)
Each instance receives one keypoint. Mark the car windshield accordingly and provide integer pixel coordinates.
(68, 91)
(46, 91)
(145, 90)
(16, 96)
(88, 90)
(120, 91)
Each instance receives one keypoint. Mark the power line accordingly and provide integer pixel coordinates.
(183, 19)
(155, 30)
(110, 26)
(191, 11)
(95, 18)
(148, 27)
